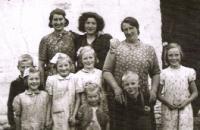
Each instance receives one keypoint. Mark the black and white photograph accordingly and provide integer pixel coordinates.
(99, 65)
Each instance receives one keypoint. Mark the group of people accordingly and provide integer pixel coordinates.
(95, 82)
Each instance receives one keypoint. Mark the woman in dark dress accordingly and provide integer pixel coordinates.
(92, 24)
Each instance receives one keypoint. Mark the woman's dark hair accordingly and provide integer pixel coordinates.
(83, 18)
(59, 12)
(132, 21)
(170, 46)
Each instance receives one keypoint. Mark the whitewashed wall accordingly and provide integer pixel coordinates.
(24, 22)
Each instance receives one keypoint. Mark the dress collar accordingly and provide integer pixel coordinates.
(32, 93)
(63, 78)
(60, 34)
(138, 43)
(88, 71)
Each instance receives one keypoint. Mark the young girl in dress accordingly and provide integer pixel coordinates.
(31, 107)
(176, 92)
(63, 97)
(87, 58)
(90, 115)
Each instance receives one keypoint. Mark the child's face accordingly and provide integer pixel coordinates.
(63, 68)
(130, 85)
(34, 81)
(93, 98)
(88, 60)
(174, 57)
(24, 65)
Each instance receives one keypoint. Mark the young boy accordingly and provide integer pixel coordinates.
(18, 86)
(138, 112)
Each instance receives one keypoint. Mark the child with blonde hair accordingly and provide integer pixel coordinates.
(63, 96)
(90, 115)
(138, 110)
(87, 58)
(176, 92)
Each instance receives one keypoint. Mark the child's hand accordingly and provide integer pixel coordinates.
(147, 109)
(182, 105)
(72, 121)
(48, 125)
(172, 106)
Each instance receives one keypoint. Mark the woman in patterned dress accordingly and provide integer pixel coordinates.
(57, 41)
(179, 89)
(131, 55)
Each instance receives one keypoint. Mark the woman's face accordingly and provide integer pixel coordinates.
(174, 57)
(63, 68)
(34, 81)
(130, 32)
(58, 22)
(90, 26)
(88, 60)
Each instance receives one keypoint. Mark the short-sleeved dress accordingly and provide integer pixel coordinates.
(32, 109)
(140, 58)
(54, 43)
(62, 91)
(176, 89)
(94, 76)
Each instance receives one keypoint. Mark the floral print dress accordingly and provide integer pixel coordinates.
(54, 43)
(176, 89)
(140, 58)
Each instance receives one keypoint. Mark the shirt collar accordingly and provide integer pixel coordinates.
(32, 93)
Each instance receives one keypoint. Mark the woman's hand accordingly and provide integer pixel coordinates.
(114, 43)
(119, 96)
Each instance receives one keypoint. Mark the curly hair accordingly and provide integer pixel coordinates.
(59, 12)
(83, 18)
(132, 21)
